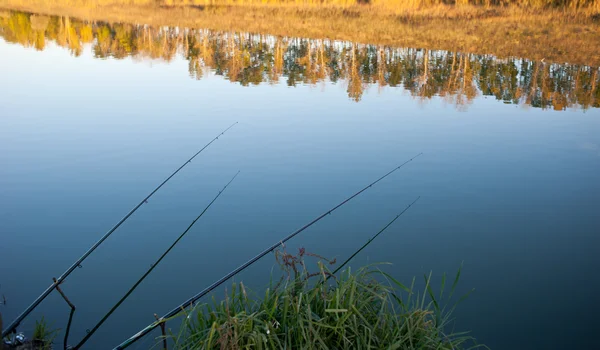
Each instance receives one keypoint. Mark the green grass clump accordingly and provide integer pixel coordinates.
(43, 334)
(366, 309)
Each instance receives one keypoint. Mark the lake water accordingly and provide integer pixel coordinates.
(94, 116)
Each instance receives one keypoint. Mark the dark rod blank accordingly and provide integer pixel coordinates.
(373, 238)
(13, 326)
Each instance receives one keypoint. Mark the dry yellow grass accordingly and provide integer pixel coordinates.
(579, 6)
(566, 34)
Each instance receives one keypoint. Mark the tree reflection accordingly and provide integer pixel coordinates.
(251, 59)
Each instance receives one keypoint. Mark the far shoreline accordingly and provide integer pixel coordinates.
(552, 35)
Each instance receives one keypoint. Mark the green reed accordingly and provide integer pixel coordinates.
(356, 310)
(44, 334)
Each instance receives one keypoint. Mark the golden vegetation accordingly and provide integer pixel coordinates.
(254, 59)
(580, 6)
(532, 29)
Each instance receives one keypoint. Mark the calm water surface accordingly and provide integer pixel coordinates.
(93, 116)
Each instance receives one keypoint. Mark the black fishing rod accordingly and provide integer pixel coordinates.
(372, 238)
(223, 279)
(136, 284)
(13, 326)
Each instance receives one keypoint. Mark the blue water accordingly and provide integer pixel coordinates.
(510, 192)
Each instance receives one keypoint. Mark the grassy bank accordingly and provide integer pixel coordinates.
(569, 33)
(429, 8)
(313, 308)
(356, 310)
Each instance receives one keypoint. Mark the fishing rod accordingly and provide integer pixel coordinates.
(136, 284)
(13, 326)
(223, 279)
(372, 238)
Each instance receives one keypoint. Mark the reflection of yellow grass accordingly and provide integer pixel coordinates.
(570, 34)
